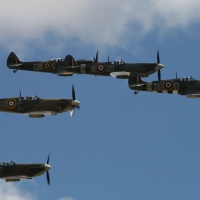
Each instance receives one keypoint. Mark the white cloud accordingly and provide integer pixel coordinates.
(9, 191)
(106, 22)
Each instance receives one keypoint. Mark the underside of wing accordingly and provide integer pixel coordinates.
(16, 178)
(40, 114)
(120, 75)
(192, 94)
(196, 95)
(64, 73)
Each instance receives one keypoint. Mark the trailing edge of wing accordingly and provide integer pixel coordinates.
(64, 73)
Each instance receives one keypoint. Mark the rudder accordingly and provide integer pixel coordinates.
(13, 60)
(135, 80)
(69, 61)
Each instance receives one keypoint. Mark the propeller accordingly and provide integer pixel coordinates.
(20, 94)
(108, 59)
(176, 75)
(96, 59)
(47, 173)
(158, 62)
(75, 103)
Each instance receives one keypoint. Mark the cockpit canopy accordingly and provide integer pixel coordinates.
(7, 163)
(29, 98)
(57, 60)
(187, 79)
(118, 62)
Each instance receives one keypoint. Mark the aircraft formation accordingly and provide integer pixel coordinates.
(33, 106)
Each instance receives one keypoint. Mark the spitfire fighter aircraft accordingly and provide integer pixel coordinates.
(36, 107)
(68, 66)
(12, 172)
(187, 86)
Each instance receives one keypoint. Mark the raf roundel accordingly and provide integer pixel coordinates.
(101, 68)
(168, 85)
(11, 104)
(46, 66)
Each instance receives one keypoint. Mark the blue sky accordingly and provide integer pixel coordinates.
(118, 145)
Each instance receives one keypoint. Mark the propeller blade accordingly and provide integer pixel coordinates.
(48, 177)
(96, 60)
(72, 111)
(158, 61)
(159, 75)
(108, 59)
(176, 74)
(158, 57)
(73, 93)
(47, 173)
(75, 103)
(20, 94)
(48, 159)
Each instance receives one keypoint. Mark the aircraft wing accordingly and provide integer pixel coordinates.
(16, 178)
(192, 94)
(40, 114)
(64, 73)
(121, 75)
(195, 95)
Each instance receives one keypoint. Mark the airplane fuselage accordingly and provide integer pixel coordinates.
(170, 86)
(104, 69)
(22, 170)
(29, 105)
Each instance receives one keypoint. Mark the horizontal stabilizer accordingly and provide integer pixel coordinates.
(134, 80)
(136, 85)
(15, 65)
(72, 67)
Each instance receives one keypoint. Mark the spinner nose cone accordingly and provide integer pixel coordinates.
(75, 102)
(47, 167)
(160, 66)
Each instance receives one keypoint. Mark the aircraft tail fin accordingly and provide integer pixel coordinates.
(13, 60)
(135, 80)
(69, 61)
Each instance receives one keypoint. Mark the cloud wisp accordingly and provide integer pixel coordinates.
(9, 191)
(111, 22)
